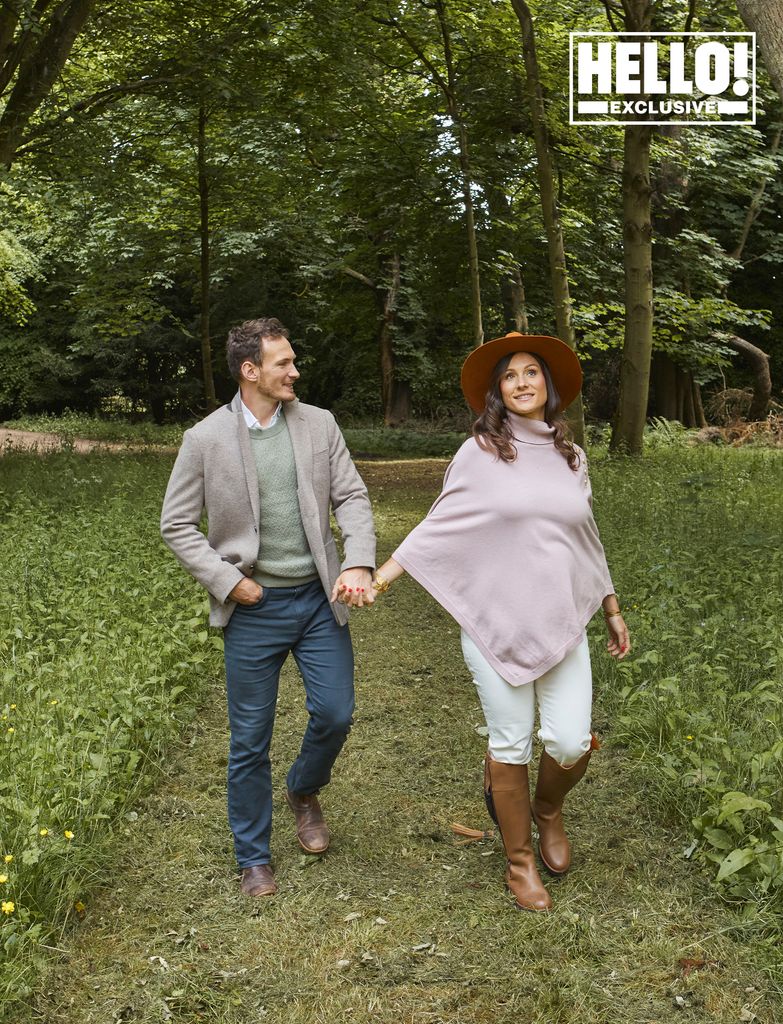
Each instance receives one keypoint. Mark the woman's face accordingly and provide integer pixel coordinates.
(523, 388)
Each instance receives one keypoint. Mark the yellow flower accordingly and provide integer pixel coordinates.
(43, 831)
(8, 906)
(3, 879)
(53, 702)
(8, 858)
(68, 834)
(12, 707)
(11, 729)
(689, 737)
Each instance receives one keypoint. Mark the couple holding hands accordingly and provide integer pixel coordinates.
(510, 549)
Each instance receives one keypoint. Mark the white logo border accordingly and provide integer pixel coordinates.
(616, 122)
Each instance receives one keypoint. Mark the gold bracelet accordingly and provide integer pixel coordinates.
(610, 615)
(380, 584)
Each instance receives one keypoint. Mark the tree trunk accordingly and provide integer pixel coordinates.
(37, 69)
(558, 268)
(210, 399)
(765, 18)
(449, 88)
(512, 295)
(762, 382)
(628, 432)
(470, 225)
(755, 204)
(511, 284)
(395, 394)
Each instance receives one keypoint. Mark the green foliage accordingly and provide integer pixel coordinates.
(103, 654)
(698, 562)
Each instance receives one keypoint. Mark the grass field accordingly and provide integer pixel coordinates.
(114, 732)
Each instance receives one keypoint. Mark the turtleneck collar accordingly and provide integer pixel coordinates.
(530, 431)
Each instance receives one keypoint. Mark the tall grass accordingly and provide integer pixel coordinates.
(104, 655)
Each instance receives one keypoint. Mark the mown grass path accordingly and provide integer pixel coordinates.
(398, 922)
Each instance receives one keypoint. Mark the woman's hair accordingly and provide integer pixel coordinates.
(493, 431)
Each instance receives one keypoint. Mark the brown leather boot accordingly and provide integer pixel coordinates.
(258, 881)
(311, 830)
(552, 785)
(508, 799)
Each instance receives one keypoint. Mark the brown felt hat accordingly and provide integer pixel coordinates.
(561, 360)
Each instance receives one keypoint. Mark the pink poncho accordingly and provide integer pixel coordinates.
(512, 552)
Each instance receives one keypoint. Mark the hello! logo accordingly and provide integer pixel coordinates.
(662, 78)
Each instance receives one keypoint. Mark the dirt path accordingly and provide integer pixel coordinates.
(398, 923)
(38, 441)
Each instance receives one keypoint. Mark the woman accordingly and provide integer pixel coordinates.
(511, 550)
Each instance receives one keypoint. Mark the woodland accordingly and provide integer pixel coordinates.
(397, 182)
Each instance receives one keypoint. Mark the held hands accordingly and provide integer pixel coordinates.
(354, 588)
(619, 642)
(246, 592)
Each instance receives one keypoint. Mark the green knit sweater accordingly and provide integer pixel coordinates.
(284, 557)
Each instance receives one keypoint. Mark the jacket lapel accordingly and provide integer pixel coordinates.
(248, 462)
(303, 457)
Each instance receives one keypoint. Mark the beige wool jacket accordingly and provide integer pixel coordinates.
(215, 472)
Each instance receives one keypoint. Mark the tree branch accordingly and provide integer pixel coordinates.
(359, 277)
(691, 16)
(394, 23)
(609, 6)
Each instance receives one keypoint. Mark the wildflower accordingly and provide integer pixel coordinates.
(3, 879)
(68, 834)
(11, 729)
(12, 707)
(8, 906)
(80, 908)
(689, 737)
(54, 702)
(43, 831)
(8, 858)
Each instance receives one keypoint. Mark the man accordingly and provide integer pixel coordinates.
(266, 469)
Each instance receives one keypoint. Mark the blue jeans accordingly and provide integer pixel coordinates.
(257, 641)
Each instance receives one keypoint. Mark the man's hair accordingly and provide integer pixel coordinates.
(245, 342)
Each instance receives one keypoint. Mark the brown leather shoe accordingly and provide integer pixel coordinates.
(258, 881)
(311, 830)
(507, 795)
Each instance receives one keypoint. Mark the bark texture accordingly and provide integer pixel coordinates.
(210, 399)
(765, 18)
(32, 55)
(558, 268)
(628, 432)
(762, 382)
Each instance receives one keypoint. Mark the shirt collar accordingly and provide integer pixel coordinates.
(253, 423)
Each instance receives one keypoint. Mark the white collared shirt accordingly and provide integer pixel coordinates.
(252, 422)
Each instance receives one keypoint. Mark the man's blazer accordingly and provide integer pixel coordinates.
(215, 471)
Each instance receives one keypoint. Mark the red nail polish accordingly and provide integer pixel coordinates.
(350, 590)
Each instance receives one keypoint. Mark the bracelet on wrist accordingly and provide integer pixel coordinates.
(380, 584)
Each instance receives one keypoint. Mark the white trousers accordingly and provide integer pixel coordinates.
(564, 696)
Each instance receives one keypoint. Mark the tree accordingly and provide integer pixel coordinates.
(36, 38)
(765, 18)
(549, 203)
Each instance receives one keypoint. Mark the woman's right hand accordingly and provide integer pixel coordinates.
(619, 641)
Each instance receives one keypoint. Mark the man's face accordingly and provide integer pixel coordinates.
(274, 378)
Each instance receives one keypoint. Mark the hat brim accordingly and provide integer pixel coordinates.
(561, 360)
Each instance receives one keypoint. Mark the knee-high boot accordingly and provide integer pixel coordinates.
(508, 801)
(552, 785)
